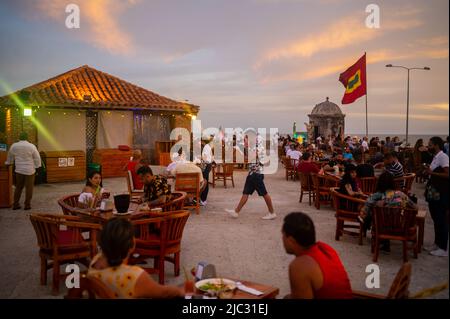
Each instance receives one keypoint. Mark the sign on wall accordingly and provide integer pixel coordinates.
(62, 162)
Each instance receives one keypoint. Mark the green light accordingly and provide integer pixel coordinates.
(27, 111)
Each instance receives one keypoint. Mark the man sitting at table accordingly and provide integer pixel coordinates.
(392, 165)
(306, 166)
(336, 160)
(156, 189)
(317, 271)
(111, 267)
(294, 153)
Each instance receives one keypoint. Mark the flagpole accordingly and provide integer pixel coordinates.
(367, 121)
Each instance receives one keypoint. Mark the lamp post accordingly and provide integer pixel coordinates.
(407, 91)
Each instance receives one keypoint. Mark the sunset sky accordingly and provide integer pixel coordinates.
(246, 63)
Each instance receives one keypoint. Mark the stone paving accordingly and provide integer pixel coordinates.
(247, 248)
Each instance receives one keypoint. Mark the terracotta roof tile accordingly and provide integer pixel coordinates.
(68, 90)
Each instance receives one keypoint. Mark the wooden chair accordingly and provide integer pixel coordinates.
(399, 287)
(164, 159)
(189, 183)
(291, 168)
(306, 187)
(368, 185)
(321, 186)
(394, 223)
(347, 212)
(62, 246)
(93, 287)
(69, 203)
(226, 173)
(69, 207)
(135, 194)
(162, 244)
(404, 183)
(176, 202)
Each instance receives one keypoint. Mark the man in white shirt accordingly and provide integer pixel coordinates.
(26, 158)
(364, 144)
(207, 158)
(437, 196)
(294, 153)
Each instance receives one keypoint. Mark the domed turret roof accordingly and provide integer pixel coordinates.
(326, 108)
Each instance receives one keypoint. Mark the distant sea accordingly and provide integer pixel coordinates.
(412, 139)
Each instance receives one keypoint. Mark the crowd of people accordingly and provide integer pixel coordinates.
(354, 157)
(316, 271)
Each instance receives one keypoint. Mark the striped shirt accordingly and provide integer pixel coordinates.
(396, 169)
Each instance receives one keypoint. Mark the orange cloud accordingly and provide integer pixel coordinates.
(340, 34)
(435, 106)
(99, 22)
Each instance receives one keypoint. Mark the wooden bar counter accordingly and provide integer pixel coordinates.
(6, 179)
(112, 161)
(65, 166)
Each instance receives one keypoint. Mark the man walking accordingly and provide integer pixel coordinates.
(26, 158)
(254, 181)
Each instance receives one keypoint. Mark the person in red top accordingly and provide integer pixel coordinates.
(317, 271)
(306, 166)
(133, 165)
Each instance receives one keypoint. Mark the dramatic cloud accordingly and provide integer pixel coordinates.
(99, 22)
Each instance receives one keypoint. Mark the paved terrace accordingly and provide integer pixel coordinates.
(248, 248)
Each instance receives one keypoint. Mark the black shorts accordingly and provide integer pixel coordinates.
(255, 182)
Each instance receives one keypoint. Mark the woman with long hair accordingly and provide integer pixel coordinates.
(93, 192)
(111, 265)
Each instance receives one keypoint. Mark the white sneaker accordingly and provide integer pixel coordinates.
(232, 213)
(439, 252)
(431, 247)
(269, 216)
(203, 203)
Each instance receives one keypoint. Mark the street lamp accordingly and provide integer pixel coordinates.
(407, 92)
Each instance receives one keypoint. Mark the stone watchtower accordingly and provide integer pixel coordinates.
(325, 119)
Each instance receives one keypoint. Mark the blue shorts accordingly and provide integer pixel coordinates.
(255, 182)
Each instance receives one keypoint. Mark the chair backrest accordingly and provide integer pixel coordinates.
(164, 159)
(175, 226)
(143, 227)
(228, 169)
(94, 287)
(176, 202)
(345, 205)
(187, 182)
(47, 227)
(305, 181)
(409, 179)
(323, 181)
(368, 184)
(69, 203)
(130, 183)
(394, 220)
(400, 285)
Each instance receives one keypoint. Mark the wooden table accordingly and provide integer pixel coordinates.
(269, 292)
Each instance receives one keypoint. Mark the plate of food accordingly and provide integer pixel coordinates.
(215, 285)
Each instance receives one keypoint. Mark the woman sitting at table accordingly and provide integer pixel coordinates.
(93, 192)
(111, 265)
(348, 185)
(384, 195)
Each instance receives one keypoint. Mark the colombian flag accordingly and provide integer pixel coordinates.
(354, 81)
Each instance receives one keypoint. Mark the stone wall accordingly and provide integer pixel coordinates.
(17, 123)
